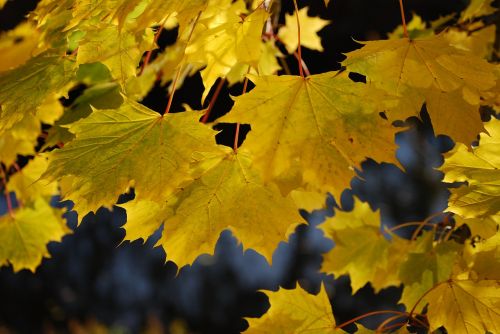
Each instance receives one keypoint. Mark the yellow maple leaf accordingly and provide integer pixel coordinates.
(114, 148)
(224, 45)
(309, 28)
(484, 227)
(428, 263)
(295, 312)
(24, 235)
(27, 185)
(477, 8)
(53, 76)
(198, 212)
(361, 250)
(465, 306)
(480, 168)
(325, 123)
(119, 50)
(18, 45)
(450, 80)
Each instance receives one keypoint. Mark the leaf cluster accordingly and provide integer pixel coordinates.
(309, 136)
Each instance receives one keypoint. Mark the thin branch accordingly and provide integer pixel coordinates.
(405, 29)
(301, 70)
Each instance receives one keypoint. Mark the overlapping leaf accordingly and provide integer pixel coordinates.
(130, 145)
(361, 250)
(198, 212)
(42, 76)
(480, 168)
(295, 311)
(325, 123)
(449, 80)
(25, 234)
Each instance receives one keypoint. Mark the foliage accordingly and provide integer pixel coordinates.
(309, 135)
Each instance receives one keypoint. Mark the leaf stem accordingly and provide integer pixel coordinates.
(178, 73)
(405, 29)
(397, 227)
(237, 133)
(221, 83)
(155, 40)
(382, 327)
(301, 70)
(369, 314)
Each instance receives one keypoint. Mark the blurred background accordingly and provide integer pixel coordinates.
(95, 284)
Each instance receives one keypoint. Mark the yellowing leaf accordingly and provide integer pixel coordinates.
(325, 123)
(222, 47)
(115, 147)
(465, 306)
(195, 216)
(183, 10)
(480, 42)
(27, 185)
(483, 227)
(478, 8)
(416, 28)
(295, 312)
(428, 263)
(23, 236)
(17, 46)
(42, 77)
(428, 69)
(481, 169)
(119, 50)
(309, 28)
(361, 250)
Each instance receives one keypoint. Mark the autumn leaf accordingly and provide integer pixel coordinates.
(131, 145)
(309, 28)
(325, 123)
(119, 50)
(221, 46)
(480, 168)
(198, 212)
(465, 306)
(428, 263)
(428, 70)
(361, 250)
(295, 311)
(42, 76)
(24, 235)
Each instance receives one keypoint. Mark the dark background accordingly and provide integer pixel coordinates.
(129, 288)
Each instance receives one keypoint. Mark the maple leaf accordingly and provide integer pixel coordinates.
(24, 235)
(27, 185)
(430, 70)
(42, 76)
(465, 306)
(326, 123)
(18, 45)
(309, 28)
(361, 250)
(198, 212)
(119, 50)
(223, 45)
(295, 311)
(481, 169)
(477, 8)
(428, 263)
(184, 11)
(115, 148)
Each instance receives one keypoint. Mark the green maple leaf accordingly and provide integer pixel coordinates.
(114, 149)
